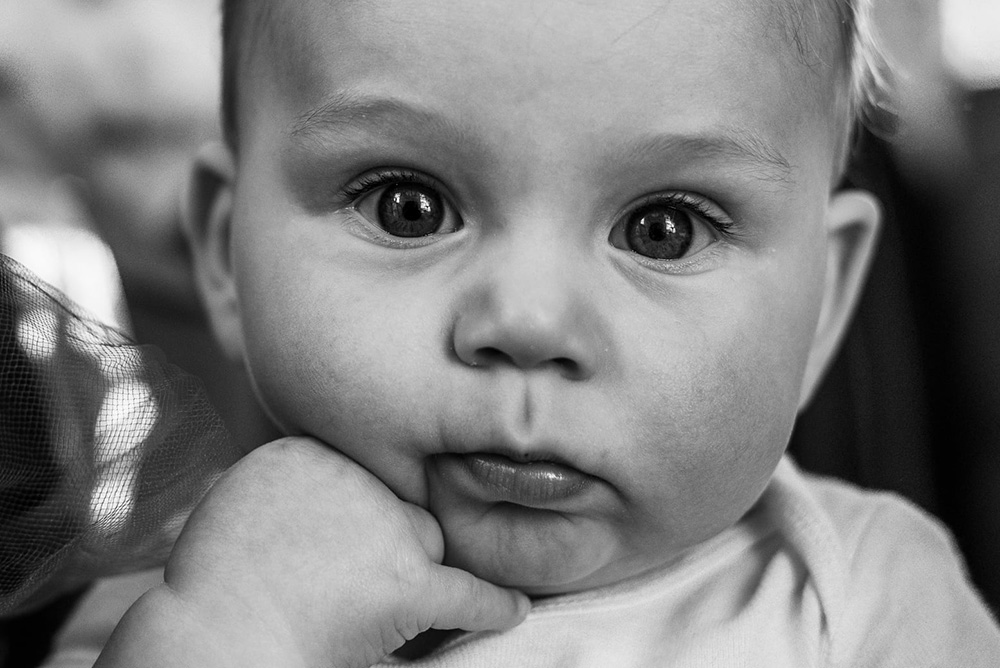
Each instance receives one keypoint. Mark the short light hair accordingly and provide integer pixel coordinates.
(871, 91)
(246, 23)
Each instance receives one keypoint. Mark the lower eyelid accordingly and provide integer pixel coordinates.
(358, 225)
(695, 264)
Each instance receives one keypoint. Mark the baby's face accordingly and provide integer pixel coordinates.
(550, 270)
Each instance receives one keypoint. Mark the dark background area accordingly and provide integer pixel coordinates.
(912, 402)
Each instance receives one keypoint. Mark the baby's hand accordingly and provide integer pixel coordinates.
(300, 557)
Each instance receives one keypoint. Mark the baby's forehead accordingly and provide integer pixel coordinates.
(812, 27)
(801, 40)
(816, 32)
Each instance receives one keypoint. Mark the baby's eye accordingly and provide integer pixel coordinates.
(665, 230)
(408, 209)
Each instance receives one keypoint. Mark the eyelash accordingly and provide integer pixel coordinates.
(723, 225)
(366, 183)
(719, 221)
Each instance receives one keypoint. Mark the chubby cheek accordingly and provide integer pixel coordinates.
(327, 361)
(714, 422)
(725, 449)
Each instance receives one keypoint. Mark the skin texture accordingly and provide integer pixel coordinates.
(541, 126)
(525, 329)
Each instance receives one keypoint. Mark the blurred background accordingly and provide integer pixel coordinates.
(912, 404)
(103, 102)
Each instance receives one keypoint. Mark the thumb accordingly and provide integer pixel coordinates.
(463, 601)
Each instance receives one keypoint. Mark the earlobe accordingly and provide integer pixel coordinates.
(208, 210)
(852, 225)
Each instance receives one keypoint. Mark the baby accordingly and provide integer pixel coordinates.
(537, 289)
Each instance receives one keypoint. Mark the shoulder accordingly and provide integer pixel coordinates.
(895, 584)
(880, 525)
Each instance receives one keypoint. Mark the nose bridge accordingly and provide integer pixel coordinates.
(528, 307)
(534, 279)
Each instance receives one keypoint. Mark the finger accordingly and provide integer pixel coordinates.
(463, 601)
(427, 530)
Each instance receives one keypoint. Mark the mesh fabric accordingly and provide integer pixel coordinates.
(105, 447)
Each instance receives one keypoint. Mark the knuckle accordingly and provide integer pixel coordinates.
(294, 453)
(411, 573)
(288, 448)
(428, 531)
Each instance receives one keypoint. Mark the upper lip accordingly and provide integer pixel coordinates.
(477, 429)
(516, 450)
(525, 457)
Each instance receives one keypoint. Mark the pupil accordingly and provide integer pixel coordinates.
(658, 231)
(410, 210)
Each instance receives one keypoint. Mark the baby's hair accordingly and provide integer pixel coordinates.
(240, 32)
(245, 23)
(871, 94)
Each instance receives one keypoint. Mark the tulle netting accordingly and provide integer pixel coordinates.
(105, 447)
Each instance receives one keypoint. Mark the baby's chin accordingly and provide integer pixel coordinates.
(541, 553)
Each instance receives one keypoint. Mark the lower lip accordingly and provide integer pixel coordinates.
(495, 478)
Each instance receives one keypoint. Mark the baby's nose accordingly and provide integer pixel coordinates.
(529, 316)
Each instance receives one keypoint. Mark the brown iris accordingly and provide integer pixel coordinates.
(660, 232)
(410, 210)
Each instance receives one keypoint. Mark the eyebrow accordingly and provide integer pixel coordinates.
(742, 148)
(343, 110)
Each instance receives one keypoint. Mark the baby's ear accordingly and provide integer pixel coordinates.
(208, 215)
(852, 225)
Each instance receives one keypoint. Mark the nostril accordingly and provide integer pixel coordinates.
(569, 367)
(492, 342)
(488, 356)
(492, 357)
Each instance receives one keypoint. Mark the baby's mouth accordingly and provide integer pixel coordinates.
(494, 478)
